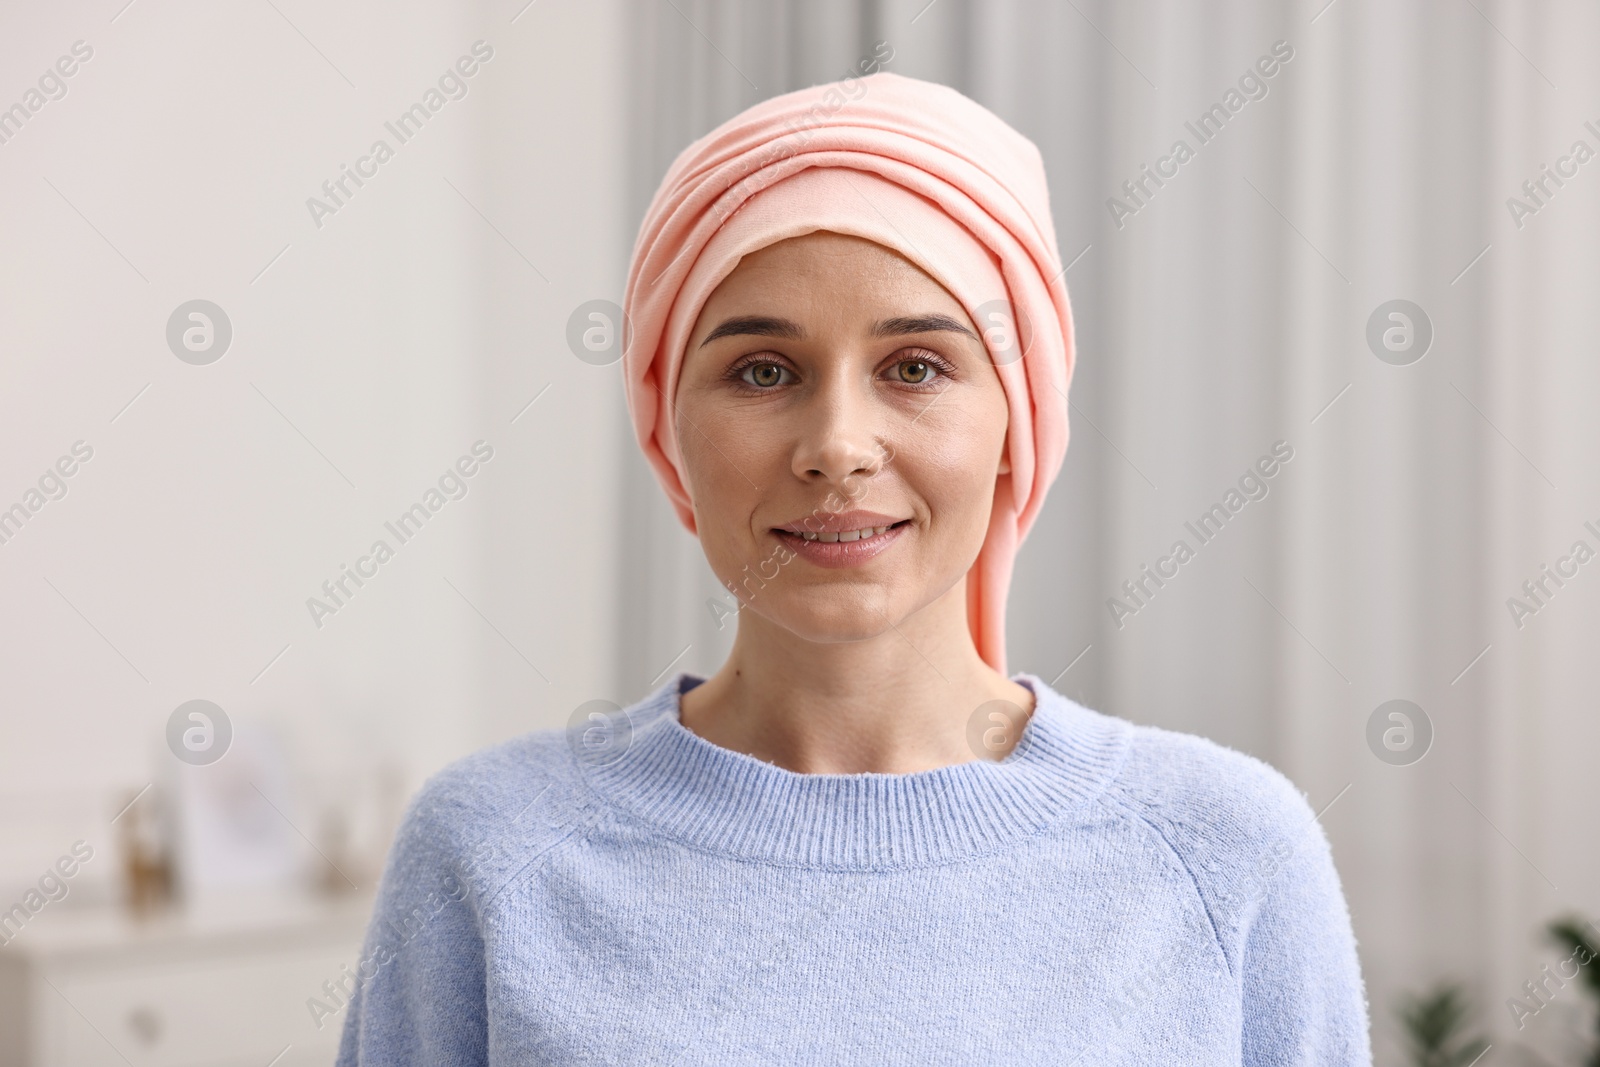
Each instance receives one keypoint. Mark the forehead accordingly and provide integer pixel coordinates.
(828, 271)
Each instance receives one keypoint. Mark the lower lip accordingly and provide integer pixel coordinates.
(842, 553)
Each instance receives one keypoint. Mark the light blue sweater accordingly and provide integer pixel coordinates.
(630, 893)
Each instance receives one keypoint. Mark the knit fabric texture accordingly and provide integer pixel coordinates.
(627, 892)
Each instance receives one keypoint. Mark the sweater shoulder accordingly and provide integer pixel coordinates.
(1233, 820)
(487, 815)
(1196, 784)
(487, 783)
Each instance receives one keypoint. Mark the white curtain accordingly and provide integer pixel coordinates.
(1225, 311)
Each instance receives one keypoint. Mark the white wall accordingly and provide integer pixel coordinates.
(364, 361)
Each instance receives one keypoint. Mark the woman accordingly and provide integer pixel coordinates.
(860, 841)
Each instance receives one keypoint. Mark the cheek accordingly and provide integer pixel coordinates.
(954, 459)
(723, 465)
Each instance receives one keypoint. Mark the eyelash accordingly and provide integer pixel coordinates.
(943, 366)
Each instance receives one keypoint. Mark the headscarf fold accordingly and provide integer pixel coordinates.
(911, 165)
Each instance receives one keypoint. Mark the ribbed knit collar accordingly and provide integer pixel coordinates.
(722, 801)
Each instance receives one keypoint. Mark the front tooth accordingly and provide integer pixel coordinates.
(850, 535)
(810, 536)
(829, 538)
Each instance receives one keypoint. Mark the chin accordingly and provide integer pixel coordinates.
(834, 619)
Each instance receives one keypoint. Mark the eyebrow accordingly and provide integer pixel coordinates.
(919, 324)
(769, 326)
(757, 326)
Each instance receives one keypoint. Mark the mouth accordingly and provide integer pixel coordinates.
(865, 533)
(843, 548)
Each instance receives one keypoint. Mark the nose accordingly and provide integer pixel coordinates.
(839, 438)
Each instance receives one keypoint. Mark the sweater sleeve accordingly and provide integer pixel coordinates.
(1304, 1002)
(419, 994)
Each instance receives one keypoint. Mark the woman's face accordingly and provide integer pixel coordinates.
(831, 386)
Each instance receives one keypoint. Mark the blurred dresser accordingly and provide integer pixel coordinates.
(216, 987)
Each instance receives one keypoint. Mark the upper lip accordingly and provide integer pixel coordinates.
(821, 522)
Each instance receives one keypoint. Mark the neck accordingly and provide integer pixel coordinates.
(899, 702)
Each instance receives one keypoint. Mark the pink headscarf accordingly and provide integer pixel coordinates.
(916, 167)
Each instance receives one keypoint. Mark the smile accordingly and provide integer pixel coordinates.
(846, 548)
(847, 535)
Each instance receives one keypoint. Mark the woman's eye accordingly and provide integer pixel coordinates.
(764, 375)
(915, 371)
(921, 371)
